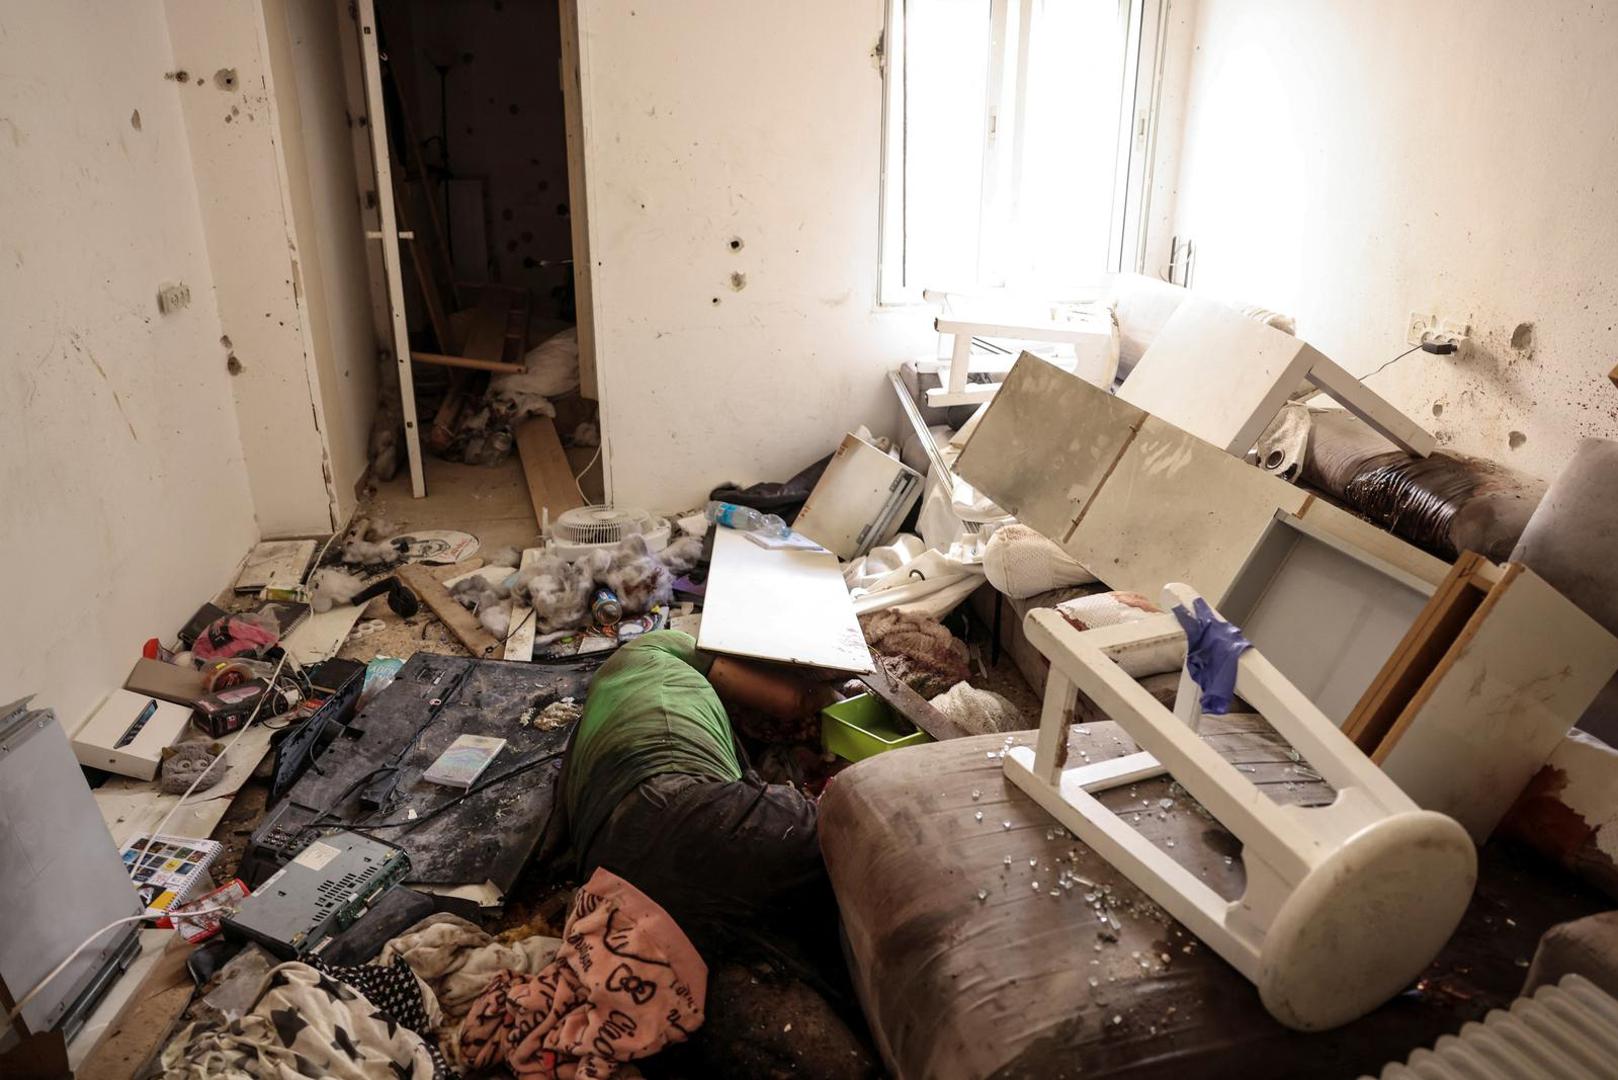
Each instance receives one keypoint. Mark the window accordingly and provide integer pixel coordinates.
(1016, 140)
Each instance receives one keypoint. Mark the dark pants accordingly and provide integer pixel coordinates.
(736, 863)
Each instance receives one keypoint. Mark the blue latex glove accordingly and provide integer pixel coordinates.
(1212, 647)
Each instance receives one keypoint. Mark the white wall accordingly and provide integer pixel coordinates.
(123, 494)
(1353, 162)
(756, 120)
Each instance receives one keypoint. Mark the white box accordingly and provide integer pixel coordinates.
(127, 734)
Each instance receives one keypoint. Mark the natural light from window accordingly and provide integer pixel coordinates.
(1009, 129)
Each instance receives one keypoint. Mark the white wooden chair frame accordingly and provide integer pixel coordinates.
(1344, 905)
(956, 391)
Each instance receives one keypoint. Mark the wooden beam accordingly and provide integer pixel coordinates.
(487, 337)
(462, 623)
(550, 480)
(578, 201)
(1418, 654)
(468, 362)
(442, 431)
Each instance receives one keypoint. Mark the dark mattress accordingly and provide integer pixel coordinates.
(1025, 984)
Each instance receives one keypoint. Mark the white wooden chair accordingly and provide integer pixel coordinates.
(1345, 904)
(967, 316)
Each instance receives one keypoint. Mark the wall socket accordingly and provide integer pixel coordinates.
(171, 298)
(1430, 329)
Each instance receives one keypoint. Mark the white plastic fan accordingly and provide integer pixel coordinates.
(575, 533)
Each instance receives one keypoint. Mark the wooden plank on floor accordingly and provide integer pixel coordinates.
(790, 606)
(550, 479)
(462, 623)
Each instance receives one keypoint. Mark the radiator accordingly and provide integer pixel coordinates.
(1568, 1031)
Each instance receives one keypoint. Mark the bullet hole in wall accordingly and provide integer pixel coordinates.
(134, 119)
(1523, 337)
(1516, 439)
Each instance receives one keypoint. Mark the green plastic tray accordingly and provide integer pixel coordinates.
(862, 726)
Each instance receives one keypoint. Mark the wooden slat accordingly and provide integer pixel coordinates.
(1417, 654)
(414, 212)
(578, 209)
(515, 344)
(486, 339)
(442, 431)
(550, 480)
(462, 623)
(444, 360)
(912, 706)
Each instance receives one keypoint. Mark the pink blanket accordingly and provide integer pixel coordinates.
(626, 983)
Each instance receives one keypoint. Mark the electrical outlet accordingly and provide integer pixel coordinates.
(171, 298)
(1419, 324)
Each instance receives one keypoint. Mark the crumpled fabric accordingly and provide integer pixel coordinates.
(308, 1022)
(981, 712)
(625, 983)
(457, 961)
(1212, 649)
(917, 651)
(235, 635)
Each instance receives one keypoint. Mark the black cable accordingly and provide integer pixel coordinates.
(517, 770)
(1395, 360)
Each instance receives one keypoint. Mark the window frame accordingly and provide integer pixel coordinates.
(1144, 24)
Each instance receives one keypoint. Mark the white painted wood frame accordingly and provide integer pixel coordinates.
(1223, 377)
(1344, 905)
(389, 229)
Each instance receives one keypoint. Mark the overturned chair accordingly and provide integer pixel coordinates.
(1345, 904)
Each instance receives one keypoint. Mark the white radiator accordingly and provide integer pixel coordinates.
(1564, 1032)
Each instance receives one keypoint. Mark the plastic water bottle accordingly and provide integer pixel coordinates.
(745, 519)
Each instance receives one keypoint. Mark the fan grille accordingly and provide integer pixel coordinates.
(600, 524)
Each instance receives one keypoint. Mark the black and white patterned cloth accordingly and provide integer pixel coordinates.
(366, 1022)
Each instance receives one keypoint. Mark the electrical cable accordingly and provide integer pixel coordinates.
(581, 472)
(1395, 360)
(22, 1002)
(514, 771)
